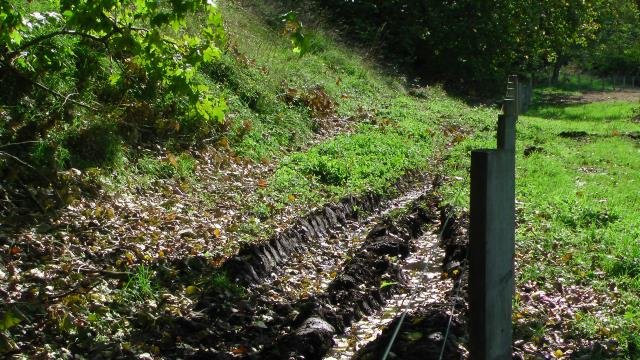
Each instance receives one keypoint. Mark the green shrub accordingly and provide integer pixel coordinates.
(182, 166)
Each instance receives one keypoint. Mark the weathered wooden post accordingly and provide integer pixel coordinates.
(492, 240)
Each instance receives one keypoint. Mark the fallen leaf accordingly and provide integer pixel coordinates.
(191, 290)
(9, 320)
(172, 159)
(558, 353)
(240, 350)
(15, 250)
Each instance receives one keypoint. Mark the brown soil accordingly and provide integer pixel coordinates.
(593, 96)
(619, 95)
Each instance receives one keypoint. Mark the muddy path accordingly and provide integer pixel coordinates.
(331, 283)
(434, 328)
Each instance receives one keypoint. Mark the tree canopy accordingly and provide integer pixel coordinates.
(483, 41)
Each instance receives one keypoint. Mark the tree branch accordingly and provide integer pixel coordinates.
(37, 40)
(66, 98)
(24, 163)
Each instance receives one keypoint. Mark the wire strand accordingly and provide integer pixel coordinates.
(405, 311)
(457, 288)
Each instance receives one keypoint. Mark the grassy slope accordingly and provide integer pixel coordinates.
(396, 131)
(578, 207)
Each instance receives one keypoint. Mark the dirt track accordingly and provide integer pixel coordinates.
(618, 95)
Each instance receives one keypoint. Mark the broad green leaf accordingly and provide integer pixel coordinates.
(9, 319)
(16, 37)
(211, 53)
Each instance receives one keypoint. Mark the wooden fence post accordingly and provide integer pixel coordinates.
(492, 241)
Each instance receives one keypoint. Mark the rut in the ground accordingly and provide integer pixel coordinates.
(311, 283)
(433, 329)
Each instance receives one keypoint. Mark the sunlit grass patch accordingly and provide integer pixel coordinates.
(140, 285)
(592, 112)
(578, 193)
(580, 199)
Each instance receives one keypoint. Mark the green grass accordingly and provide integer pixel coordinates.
(600, 113)
(181, 166)
(404, 135)
(579, 200)
(584, 82)
(141, 285)
(398, 130)
(573, 86)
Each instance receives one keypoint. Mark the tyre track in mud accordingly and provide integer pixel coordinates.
(435, 328)
(331, 246)
(302, 290)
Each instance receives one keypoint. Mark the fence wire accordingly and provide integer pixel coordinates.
(396, 330)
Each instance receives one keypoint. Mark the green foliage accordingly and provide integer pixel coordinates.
(616, 48)
(293, 28)
(78, 70)
(475, 43)
(134, 33)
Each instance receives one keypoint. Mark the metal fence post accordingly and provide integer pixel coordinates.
(492, 242)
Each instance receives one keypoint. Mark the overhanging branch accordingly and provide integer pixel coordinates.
(37, 40)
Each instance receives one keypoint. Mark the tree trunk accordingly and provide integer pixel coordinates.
(556, 70)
